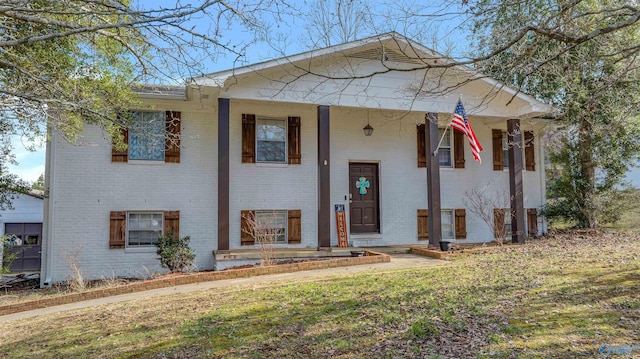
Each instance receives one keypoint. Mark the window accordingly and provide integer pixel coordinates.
(271, 140)
(444, 151)
(23, 234)
(144, 228)
(147, 136)
(505, 149)
(447, 224)
(271, 226)
(507, 221)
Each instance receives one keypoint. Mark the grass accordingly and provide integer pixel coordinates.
(560, 297)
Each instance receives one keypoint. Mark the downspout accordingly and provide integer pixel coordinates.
(46, 264)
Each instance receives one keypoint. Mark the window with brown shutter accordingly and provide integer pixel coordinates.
(461, 223)
(293, 134)
(529, 151)
(458, 149)
(247, 222)
(532, 222)
(248, 138)
(172, 141)
(422, 152)
(172, 223)
(117, 229)
(423, 224)
(294, 227)
(171, 145)
(498, 221)
(498, 160)
(121, 155)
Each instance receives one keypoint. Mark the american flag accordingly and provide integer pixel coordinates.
(461, 123)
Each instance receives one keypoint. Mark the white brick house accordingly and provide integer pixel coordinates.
(285, 138)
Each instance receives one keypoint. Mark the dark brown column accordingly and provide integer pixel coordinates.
(433, 178)
(324, 179)
(223, 174)
(514, 136)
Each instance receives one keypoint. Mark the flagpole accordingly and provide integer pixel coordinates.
(442, 138)
(445, 129)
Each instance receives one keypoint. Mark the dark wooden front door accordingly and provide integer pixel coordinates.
(363, 192)
(25, 240)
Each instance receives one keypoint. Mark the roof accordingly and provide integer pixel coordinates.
(390, 46)
(161, 91)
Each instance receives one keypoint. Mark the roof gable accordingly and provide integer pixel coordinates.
(387, 71)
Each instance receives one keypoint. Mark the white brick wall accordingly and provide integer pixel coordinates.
(87, 185)
(274, 186)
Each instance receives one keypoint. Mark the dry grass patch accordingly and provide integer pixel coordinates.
(555, 298)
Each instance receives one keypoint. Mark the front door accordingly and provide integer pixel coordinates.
(25, 240)
(363, 193)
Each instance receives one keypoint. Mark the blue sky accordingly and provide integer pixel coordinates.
(448, 38)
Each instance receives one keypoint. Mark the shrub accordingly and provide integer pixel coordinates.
(174, 252)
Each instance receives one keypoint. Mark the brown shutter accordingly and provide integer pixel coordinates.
(248, 138)
(121, 155)
(294, 228)
(247, 224)
(461, 223)
(529, 151)
(422, 152)
(295, 154)
(498, 221)
(172, 141)
(117, 229)
(458, 149)
(498, 161)
(172, 223)
(532, 222)
(423, 224)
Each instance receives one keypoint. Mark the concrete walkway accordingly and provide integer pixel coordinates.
(398, 261)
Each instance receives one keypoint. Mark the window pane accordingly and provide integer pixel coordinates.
(144, 228)
(32, 239)
(272, 129)
(271, 151)
(446, 141)
(272, 225)
(505, 150)
(147, 136)
(444, 156)
(447, 224)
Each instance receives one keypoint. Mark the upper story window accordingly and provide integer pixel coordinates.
(147, 136)
(445, 151)
(271, 140)
(505, 150)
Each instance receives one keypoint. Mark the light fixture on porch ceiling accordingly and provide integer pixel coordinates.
(368, 130)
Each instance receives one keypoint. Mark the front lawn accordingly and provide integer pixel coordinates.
(562, 297)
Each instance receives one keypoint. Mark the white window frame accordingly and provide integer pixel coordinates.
(266, 213)
(286, 139)
(449, 134)
(130, 229)
(448, 213)
(141, 113)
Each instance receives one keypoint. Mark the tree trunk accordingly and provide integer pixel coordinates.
(588, 172)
